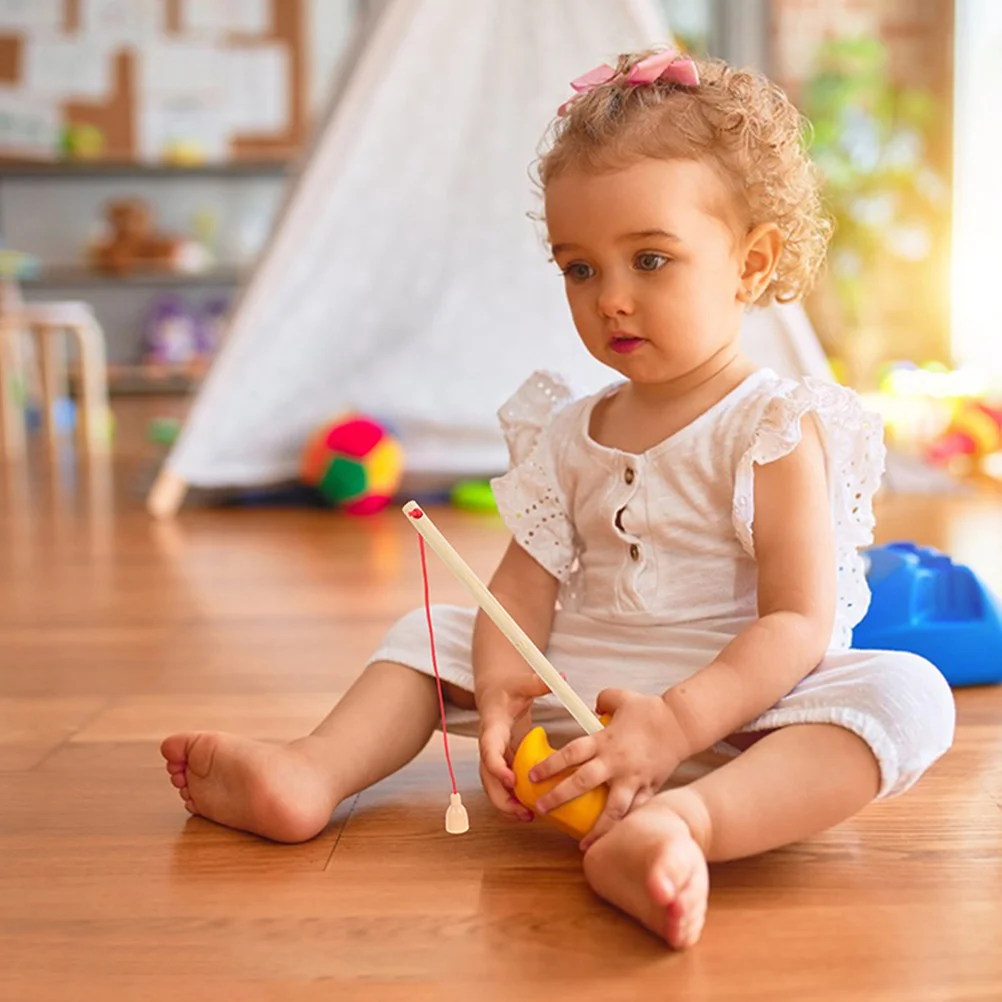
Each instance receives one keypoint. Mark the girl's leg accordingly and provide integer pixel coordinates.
(793, 783)
(288, 792)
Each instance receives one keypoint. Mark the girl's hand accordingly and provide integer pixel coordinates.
(505, 705)
(635, 754)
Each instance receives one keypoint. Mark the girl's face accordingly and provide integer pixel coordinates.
(653, 273)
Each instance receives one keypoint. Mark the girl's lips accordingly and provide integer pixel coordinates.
(624, 345)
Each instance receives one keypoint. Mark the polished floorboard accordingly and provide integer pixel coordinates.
(115, 630)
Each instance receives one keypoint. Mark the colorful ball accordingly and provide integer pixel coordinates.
(355, 463)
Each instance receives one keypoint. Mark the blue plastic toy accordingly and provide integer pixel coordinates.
(925, 603)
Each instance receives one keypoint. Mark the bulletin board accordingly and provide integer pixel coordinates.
(153, 81)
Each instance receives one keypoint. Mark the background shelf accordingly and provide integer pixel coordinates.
(148, 380)
(79, 276)
(39, 170)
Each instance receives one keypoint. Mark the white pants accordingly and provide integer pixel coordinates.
(898, 703)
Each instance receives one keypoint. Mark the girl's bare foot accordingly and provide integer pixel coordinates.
(277, 791)
(651, 867)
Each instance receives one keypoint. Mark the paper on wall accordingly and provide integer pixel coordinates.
(123, 21)
(31, 15)
(176, 68)
(183, 109)
(223, 17)
(182, 128)
(257, 90)
(30, 126)
(68, 69)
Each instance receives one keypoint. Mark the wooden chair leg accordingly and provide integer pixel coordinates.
(12, 400)
(52, 367)
(93, 410)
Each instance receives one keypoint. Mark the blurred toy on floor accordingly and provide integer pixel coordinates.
(355, 463)
(950, 419)
(923, 602)
(974, 433)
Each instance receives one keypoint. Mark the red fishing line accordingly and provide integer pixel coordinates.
(434, 662)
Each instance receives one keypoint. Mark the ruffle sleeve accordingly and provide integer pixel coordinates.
(855, 454)
(529, 496)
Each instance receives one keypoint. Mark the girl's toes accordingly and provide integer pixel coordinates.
(687, 913)
(180, 780)
(175, 767)
(689, 929)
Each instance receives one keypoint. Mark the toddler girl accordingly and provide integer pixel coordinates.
(688, 536)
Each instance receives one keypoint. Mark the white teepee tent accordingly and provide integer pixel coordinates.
(404, 277)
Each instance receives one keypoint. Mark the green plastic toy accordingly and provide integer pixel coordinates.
(474, 495)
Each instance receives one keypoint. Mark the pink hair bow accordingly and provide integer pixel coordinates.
(668, 65)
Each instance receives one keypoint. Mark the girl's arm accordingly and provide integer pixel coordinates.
(505, 684)
(795, 553)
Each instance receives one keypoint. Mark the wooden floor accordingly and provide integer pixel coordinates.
(115, 630)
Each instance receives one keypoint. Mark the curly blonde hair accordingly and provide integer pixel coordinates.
(737, 120)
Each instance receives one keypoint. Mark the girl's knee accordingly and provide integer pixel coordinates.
(913, 705)
(917, 693)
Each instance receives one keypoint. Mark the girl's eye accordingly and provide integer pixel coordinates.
(578, 271)
(650, 262)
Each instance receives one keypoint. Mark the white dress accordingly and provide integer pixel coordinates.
(656, 562)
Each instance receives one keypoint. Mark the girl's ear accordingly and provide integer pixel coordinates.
(762, 248)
